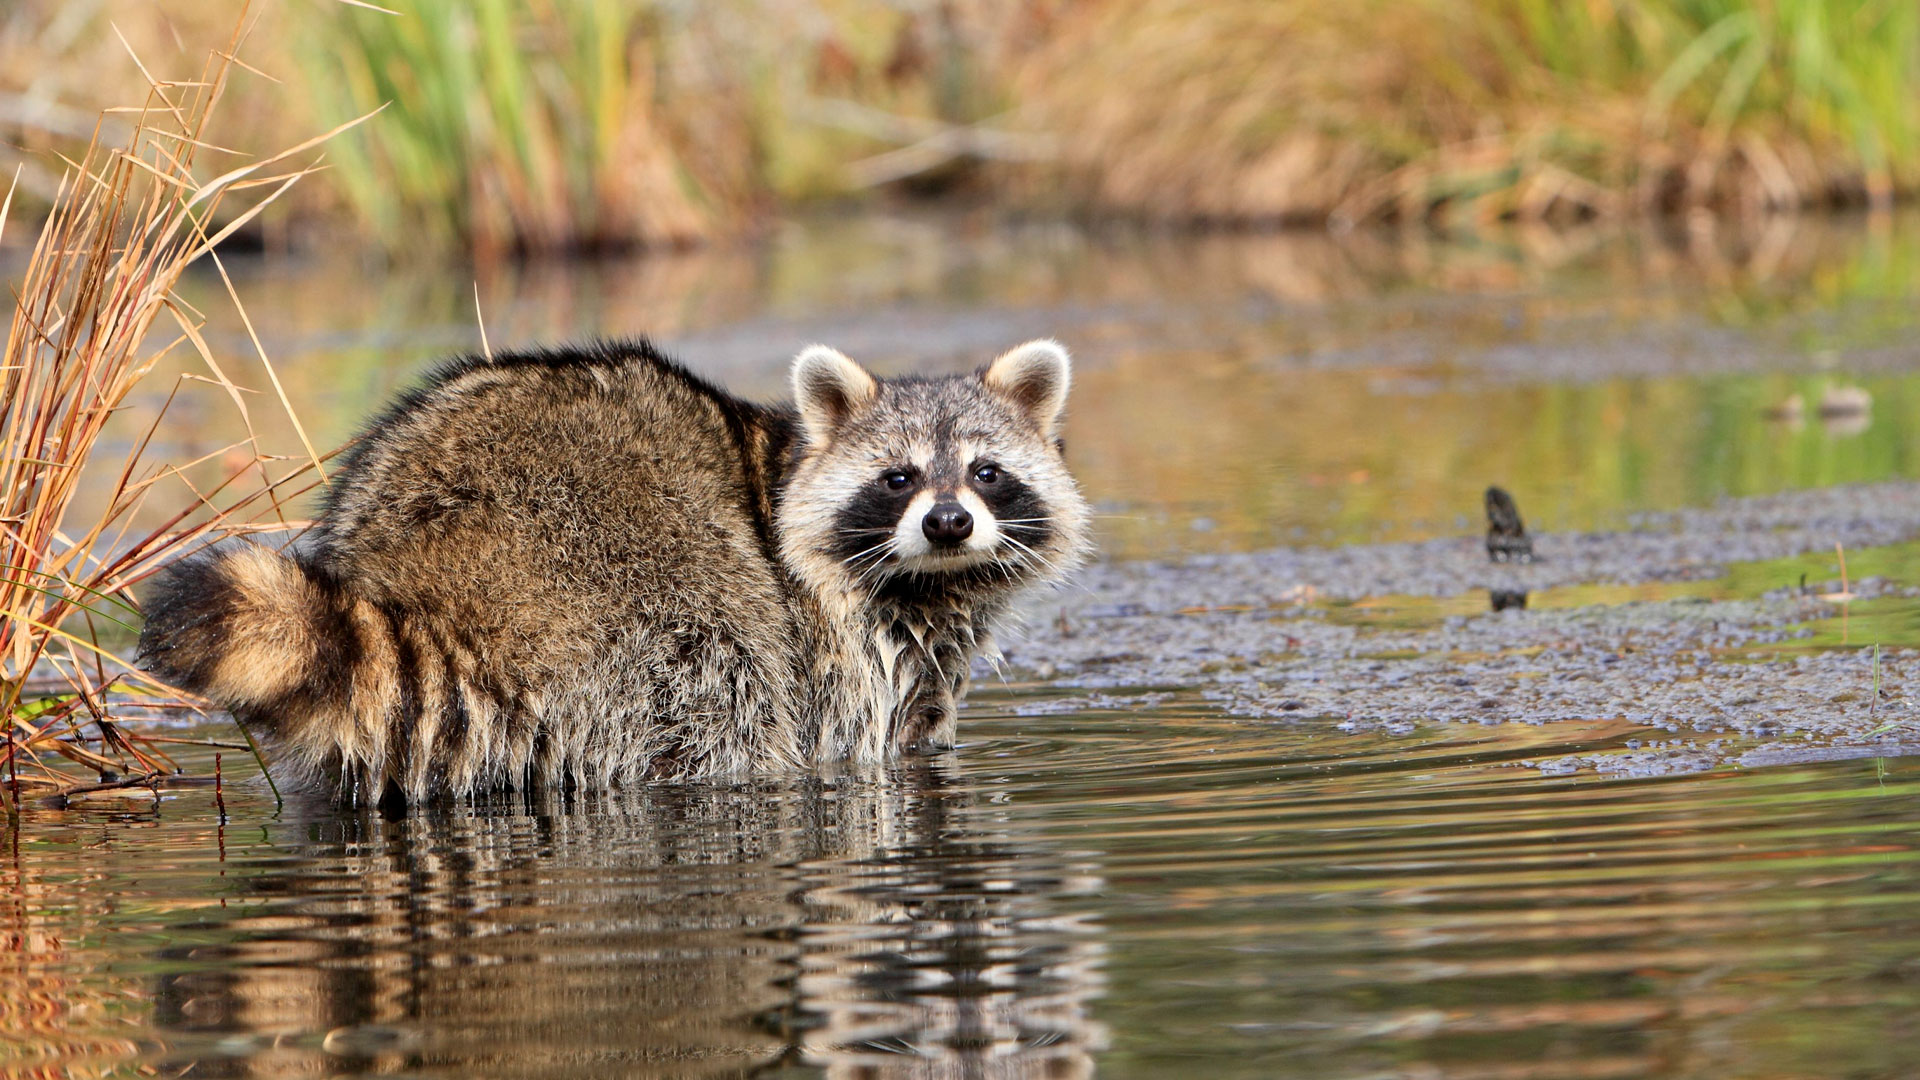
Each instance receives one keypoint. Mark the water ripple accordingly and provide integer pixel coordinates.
(1150, 893)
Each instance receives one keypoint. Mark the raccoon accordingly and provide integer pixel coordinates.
(589, 566)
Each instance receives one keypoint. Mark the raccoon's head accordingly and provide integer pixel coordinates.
(948, 485)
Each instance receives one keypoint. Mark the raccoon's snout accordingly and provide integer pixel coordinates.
(947, 523)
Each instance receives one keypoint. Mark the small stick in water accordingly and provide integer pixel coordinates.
(1507, 539)
(219, 794)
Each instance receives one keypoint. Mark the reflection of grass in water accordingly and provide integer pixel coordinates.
(1331, 456)
(1244, 428)
(1893, 622)
(1888, 622)
(1291, 449)
(1899, 562)
(1675, 442)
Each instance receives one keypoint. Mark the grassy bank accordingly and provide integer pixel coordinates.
(597, 124)
(1250, 110)
(506, 125)
(612, 123)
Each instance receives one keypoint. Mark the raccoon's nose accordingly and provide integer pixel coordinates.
(947, 523)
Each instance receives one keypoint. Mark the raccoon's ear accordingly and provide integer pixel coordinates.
(1035, 376)
(828, 388)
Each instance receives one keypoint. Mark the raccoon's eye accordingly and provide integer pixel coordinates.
(897, 480)
(987, 474)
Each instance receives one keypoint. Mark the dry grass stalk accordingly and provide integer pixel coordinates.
(128, 222)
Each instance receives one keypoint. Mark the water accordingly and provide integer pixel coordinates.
(1230, 391)
(1155, 893)
(1136, 887)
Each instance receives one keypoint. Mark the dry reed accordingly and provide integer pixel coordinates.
(128, 220)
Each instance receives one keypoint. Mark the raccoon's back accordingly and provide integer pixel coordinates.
(536, 469)
(570, 560)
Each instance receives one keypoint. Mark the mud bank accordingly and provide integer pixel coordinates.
(1388, 636)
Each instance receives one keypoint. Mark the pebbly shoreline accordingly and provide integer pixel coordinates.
(1271, 636)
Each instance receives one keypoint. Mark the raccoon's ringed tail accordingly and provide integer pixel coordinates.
(263, 636)
(270, 635)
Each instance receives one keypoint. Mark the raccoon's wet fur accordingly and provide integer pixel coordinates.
(588, 566)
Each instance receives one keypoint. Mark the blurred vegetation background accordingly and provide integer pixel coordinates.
(560, 125)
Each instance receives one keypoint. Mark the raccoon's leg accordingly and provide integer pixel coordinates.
(689, 697)
(928, 721)
(937, 722)
(942, 731)
(923, 723)
(956, 665)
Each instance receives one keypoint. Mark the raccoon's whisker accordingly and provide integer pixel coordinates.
(1016, 556)
(1020, 544)
(871, 581)
(871, 577)
(868, 573)
(878, 555)
(883, 548)
(1028, 556)
(879, 550)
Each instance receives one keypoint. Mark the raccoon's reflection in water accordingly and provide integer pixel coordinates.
(873, 927)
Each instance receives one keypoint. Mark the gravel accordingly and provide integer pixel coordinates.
(1714, 682)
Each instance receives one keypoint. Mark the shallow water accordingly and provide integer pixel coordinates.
(1135, 885)
(1230, 391)
(1138, 892)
